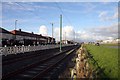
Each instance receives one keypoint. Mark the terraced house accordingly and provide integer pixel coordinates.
(19, 37)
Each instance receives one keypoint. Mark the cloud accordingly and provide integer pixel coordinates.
(104, 16)
(29, 6)
(67, 33)
(87, 7)
(61, 0)
(16, 6)
(9, 23)
(83, 36)
(115, 16)
(100, 33)
(43, 30)
(91, 34)
(105, 32)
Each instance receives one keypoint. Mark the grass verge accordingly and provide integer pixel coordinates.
(107, 59)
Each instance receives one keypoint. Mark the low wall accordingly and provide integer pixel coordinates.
(23, 49)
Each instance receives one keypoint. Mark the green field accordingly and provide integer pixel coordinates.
(106, 58)
(110, 44)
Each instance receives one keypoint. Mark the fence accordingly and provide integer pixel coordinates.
(23, 49)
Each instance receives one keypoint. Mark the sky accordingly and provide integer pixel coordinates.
(82, 21)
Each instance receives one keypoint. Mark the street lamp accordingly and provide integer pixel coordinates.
(15, 27)
(16, 24)
(52, 32)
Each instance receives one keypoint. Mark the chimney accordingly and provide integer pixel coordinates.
(32, 33)
(19, 29)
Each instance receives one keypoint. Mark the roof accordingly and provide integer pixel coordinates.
(23, 33)
(4, 31)
(49, 37)
(19, 32)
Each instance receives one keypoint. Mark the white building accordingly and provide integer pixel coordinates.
(111, 41)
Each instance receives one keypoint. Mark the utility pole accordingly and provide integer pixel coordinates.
(60, 32)
(65, 36)
(52, 32)
(74, 36)
(16, 24)
(15, 27)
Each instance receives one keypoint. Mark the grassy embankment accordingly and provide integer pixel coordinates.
(107, 58)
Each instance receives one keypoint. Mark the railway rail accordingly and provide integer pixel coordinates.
(39, 69)
(23, 57)
(15, 62)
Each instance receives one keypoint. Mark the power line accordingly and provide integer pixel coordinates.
(33, 12)
(63, 13)
(66, 18)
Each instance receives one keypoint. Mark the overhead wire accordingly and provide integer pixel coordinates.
(34, 12)
(63, 13)
(65, 17)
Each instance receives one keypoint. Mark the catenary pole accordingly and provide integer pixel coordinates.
(60, 33)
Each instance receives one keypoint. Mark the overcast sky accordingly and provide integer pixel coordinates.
(82, 21)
